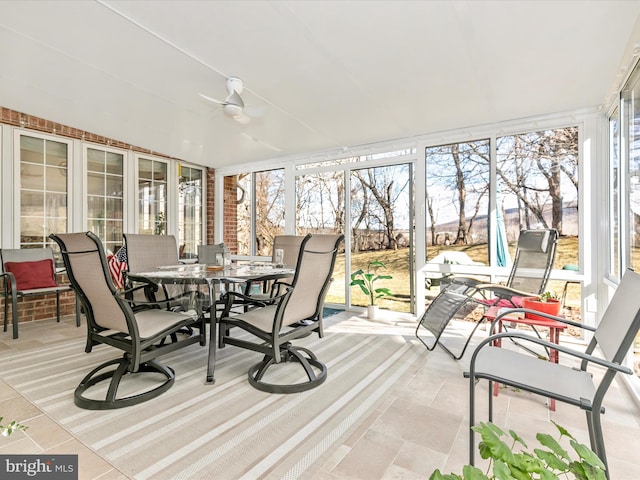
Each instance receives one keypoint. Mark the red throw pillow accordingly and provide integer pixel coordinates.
(30, 275)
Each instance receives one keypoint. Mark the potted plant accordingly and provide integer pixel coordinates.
(515, 461)
(547, 303)
(366, 281)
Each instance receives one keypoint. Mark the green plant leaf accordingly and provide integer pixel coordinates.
(377, 263)
(524, 464)
(437, 476)
(563, 431)
(364, 289)
(586, 454)
(548, 475)
(552, 460)
(383, 277)
(577, 469)
(499, 449)
(485, 451)
(501, 471)
(491, 426)
(517, 438)
(552, 444)
(473, 473)
(593, 472)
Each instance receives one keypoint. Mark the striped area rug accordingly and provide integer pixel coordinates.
(225, 431)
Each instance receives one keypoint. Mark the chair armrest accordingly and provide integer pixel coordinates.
(230, 300)
(9, 283)
(561, 348)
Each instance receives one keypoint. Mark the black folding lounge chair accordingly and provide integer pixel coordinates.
(529, 274)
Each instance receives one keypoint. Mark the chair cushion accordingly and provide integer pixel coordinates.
(30, 275)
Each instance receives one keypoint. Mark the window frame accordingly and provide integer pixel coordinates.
(85, 188)
(171, 182)
(18, 133)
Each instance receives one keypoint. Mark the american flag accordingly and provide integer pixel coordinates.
(118, 264)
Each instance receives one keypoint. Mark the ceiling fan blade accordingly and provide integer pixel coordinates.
(212, 100)
(234, 98)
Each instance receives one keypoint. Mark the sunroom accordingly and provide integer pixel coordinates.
(428, 133)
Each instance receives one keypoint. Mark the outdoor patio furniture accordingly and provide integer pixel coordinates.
(145, 253)
(580, 387)
(535, 254)
(445, 306)
(29, 272)
(293, 314)
(290, 246)
(143, 336)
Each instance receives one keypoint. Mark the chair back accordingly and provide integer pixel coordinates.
(621, 320)
(207, 253)
(290, 245)
(147, 252)
(316, 259)
(17, 255)
(86, 264)
(533, 261)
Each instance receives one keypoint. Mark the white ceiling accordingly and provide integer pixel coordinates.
(328, 74)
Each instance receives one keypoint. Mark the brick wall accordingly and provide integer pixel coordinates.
(230, 214)
(41, 307)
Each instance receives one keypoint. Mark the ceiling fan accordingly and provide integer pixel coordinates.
(233, 106)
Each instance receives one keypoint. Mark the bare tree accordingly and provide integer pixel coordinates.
(382, 185)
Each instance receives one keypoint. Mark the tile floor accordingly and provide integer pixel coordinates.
(421, 425)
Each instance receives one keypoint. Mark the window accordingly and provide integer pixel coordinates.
(269, 195)
(614, 195)
(538, 177)
(259, 200)
(457, 203)
(535, 186)
(238, 202)
(190, 186)
(381, 225)
(43, 189)
(152, 197)
(631, 94)
(105, 196)
(320, 208)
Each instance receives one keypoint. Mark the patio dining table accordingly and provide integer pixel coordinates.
(200, 274)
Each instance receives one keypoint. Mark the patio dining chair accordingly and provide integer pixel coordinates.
(294, 313)
(532, 264)
(290, 246)
(143, 335)
(29, 272)
(146, 253)
(583, 386)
